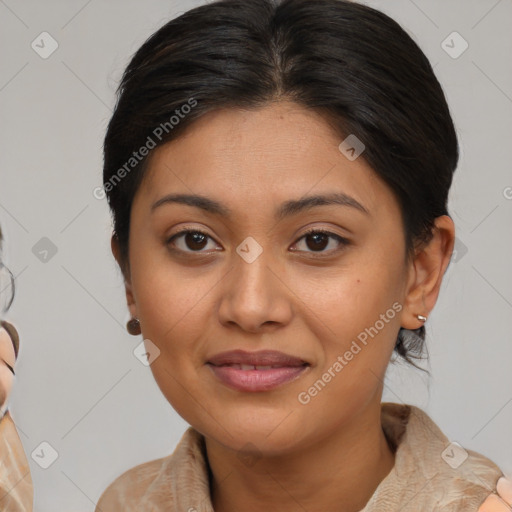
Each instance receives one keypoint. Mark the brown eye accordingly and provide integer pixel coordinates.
(318, 239)
(192, 240)
(195, 241)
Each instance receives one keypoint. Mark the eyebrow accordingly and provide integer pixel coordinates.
(286, 209)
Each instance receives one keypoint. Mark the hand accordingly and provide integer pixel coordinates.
(501, 502)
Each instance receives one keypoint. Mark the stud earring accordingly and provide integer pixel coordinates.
(422, 318)
(133, 326)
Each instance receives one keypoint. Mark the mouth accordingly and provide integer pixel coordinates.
(262, 358)
(256, 371)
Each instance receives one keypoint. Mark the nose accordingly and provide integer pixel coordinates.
(254, 295)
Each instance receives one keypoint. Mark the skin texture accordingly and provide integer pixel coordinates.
(502, 500)
(331, 451)
(6, 354)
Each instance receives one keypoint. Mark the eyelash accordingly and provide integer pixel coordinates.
(8, 365)
(343, 241)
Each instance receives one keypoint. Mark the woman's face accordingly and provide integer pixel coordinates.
(256, 283)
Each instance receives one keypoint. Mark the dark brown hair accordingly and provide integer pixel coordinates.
(351, 63)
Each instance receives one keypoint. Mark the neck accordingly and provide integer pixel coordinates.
(340, 471)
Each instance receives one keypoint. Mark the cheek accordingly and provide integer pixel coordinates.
(172, 318)
(345, 302)
(356, 321)
(171, 304)
(355, 314)
(159, 291)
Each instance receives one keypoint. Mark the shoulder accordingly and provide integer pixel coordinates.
(453, 477)
(16, 490)
(160, 484)
(128, 490)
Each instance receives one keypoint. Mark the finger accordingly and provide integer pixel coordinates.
(493, 504)
(504, 488)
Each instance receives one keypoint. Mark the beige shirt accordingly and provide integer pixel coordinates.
(16, 491)
(422, 478)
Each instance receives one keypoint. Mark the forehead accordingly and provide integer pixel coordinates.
(260, 157)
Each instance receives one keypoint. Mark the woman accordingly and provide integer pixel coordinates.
(16, 491)
(278, 175)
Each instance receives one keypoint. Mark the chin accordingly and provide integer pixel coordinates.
(270, 435)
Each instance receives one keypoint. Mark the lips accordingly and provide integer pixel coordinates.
(265, 370)
(262, 360)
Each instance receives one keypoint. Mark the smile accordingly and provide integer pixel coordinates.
(253, 378)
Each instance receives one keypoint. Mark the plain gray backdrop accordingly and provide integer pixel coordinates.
(79, 386)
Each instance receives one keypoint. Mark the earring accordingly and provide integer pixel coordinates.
(422, 318)
(133, 326)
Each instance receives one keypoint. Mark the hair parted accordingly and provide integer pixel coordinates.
(351, 63)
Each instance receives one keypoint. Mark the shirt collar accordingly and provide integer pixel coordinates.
(421, 476)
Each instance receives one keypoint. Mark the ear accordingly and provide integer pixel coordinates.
(426, 273)
(130, 298)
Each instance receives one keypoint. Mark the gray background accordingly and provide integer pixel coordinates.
(78, 385)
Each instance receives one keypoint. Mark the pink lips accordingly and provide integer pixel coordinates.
(256, 371)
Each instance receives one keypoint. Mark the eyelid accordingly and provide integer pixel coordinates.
(8, 365)
(342, 241)
(188, 229)
(320, 229)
